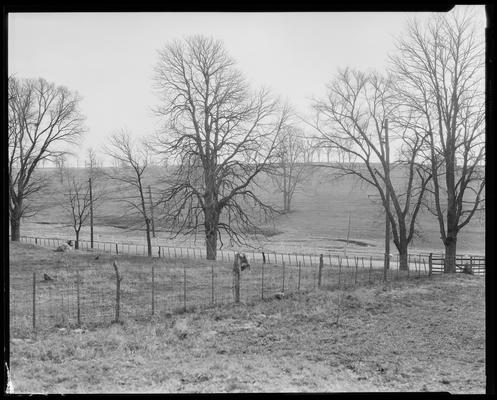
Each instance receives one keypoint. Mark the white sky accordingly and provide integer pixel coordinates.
(109, 57)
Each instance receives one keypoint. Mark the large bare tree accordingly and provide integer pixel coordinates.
(42, 117)
(352, 121)
(440, 70)
(132, 160)
(217, 134)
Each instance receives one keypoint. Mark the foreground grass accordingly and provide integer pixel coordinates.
(426, 335)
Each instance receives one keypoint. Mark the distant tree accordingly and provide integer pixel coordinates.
(132, 158)
(352, 121)
(440, 73)
(41, 117)
(290, 169)
(93, 164)
(218, 135)
(77, 203)
(60, 164)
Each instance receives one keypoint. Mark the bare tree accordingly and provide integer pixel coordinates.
(93, 164)
(132, 159)
(440, 70)
(77, 203)
(60, 164)
(218, 135)
(42, 116)
(291, 169)
(352, 121)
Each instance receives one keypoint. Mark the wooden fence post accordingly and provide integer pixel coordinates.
(212, 282)
(159, 251)
(283, 287)
(117, 249)
(236, 280)
(153, 289)
(34, 302)
(78, 298)
(262, 282)
(298, 287)
(430, 264)
(339, 270)
(356, 260)
(370, 267)
(118, 292)
(184, 287)
(320, 270)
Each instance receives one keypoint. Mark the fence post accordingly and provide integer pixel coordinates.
(320, 270)
(159, 251)
(298, 288)
(184, 286)
(370, 267)
(262, 282)
(339, 270)
(153, 289)
(236, 280)
(212, 282)
(36, 241)
(34, 302)
(118, 291)
(78, 298)
(283, 288)
(430, 264)
(117, 249)
(356, 259)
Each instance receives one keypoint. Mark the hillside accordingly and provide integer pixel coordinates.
(318, 221)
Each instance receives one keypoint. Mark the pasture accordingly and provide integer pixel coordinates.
(317, 224)
(408, 335)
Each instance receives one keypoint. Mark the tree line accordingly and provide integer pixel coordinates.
(424, 116)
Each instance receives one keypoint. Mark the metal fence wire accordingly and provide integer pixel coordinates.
(81, 289)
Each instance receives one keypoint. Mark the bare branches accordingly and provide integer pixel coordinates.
(42, 117)
(217, 133)
(291, 167)
(440, 75)
(132, 160)
(352, 122)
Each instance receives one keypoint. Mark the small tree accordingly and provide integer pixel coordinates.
(60, 164)
(41, 116)
(132, 159)
(290, 169)
(77, 203)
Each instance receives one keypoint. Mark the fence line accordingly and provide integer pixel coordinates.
(177, 252)
(81, 291)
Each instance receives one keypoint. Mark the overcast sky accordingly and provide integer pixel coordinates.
(109, 57)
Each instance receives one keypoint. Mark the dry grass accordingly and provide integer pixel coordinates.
(417, 335)
(321, 208)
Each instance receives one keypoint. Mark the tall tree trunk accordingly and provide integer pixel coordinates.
(450, 253)
(149, 242)
(211, 221)
(15, 222)
(76, 243)
(403, 256)
(211, 244)
(15, 228)
(403, 248)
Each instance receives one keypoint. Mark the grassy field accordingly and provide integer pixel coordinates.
(409, 335)
(158, 286)
(318, 223)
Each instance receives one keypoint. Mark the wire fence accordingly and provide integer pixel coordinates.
(80, 289)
